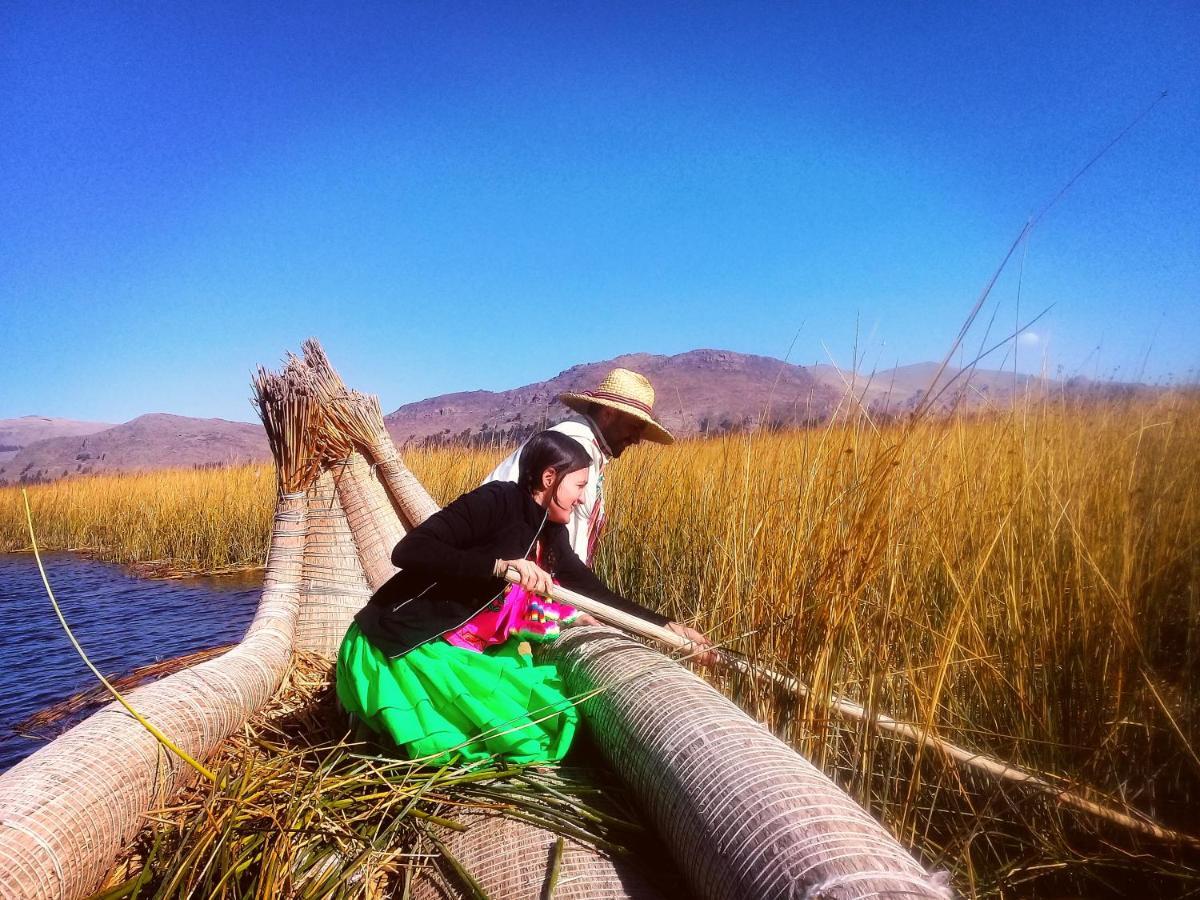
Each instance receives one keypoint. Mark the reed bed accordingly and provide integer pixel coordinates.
(302, 810)
(1026, 584)
(183, 520)
(187, 521)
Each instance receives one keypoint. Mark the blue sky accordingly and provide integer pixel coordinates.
(461, 196)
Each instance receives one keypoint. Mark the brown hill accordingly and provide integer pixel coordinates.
(153, 441)
(702, 391)
(713, 391)
(18, 433)
(697, 392)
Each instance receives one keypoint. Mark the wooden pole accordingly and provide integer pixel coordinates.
(981, 762)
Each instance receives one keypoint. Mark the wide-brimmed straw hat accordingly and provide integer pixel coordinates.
(626, 392)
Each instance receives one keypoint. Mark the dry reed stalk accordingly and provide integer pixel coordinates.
(289, 411)
(68, 809)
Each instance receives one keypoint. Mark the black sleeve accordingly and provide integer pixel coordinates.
(573, 574)
(441, 545)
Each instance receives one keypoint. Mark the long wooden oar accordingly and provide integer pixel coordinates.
(851, 710)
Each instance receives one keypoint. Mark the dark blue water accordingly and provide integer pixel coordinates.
(122, 622)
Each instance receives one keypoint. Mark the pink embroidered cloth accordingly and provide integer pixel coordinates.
(517, 614)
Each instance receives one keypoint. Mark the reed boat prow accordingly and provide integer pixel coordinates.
(741, 813)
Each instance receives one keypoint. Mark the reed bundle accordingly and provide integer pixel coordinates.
(349, 415)
(335, 585)
(288, 408)
(743, 814)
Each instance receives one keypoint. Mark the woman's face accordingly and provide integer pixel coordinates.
(570, 494)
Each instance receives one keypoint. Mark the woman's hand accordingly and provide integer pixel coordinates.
(705, 655)
(584, 619)
(534, 578)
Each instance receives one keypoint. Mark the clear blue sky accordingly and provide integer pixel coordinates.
(457, 196)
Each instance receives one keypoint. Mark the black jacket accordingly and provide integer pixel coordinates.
(447, 564)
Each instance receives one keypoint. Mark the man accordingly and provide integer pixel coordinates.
(615, 416)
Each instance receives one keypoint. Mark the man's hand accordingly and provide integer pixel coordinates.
(534, 578)
(706, 656)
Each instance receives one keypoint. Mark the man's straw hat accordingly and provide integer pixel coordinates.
(627, 392)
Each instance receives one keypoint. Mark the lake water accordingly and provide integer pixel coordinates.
(122, 622)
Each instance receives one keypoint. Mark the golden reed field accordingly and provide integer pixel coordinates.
(1025, 584)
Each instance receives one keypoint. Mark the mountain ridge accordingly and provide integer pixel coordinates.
(702, 391)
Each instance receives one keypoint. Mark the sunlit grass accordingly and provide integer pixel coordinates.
(1027, 585)
(195, 519)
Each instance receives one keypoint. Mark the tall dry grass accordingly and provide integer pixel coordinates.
(201, 520)
(1025, 584)
(189, 520)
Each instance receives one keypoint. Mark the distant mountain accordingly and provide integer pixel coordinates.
(901, 390)
(707, 392)
(153, 441)
(696, 392)
(699, 392)
(18, 433)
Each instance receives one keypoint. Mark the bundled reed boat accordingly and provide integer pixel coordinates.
(740, 813)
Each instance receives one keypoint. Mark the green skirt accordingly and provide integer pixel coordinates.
(439, 702)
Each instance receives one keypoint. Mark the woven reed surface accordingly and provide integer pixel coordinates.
(512, 860)
(373, 519)
(742, 813)
(406, 490)
(67, 810)
(334, 585)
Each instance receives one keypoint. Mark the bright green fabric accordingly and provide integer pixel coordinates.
(440, 702)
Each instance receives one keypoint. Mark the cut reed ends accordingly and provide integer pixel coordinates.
(289, 410)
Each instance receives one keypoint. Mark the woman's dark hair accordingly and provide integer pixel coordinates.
(550, 450)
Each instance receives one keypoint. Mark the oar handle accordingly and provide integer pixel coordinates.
(613, 616)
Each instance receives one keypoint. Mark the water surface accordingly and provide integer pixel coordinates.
(123, 622)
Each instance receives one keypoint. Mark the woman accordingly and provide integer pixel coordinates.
(433, 662)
